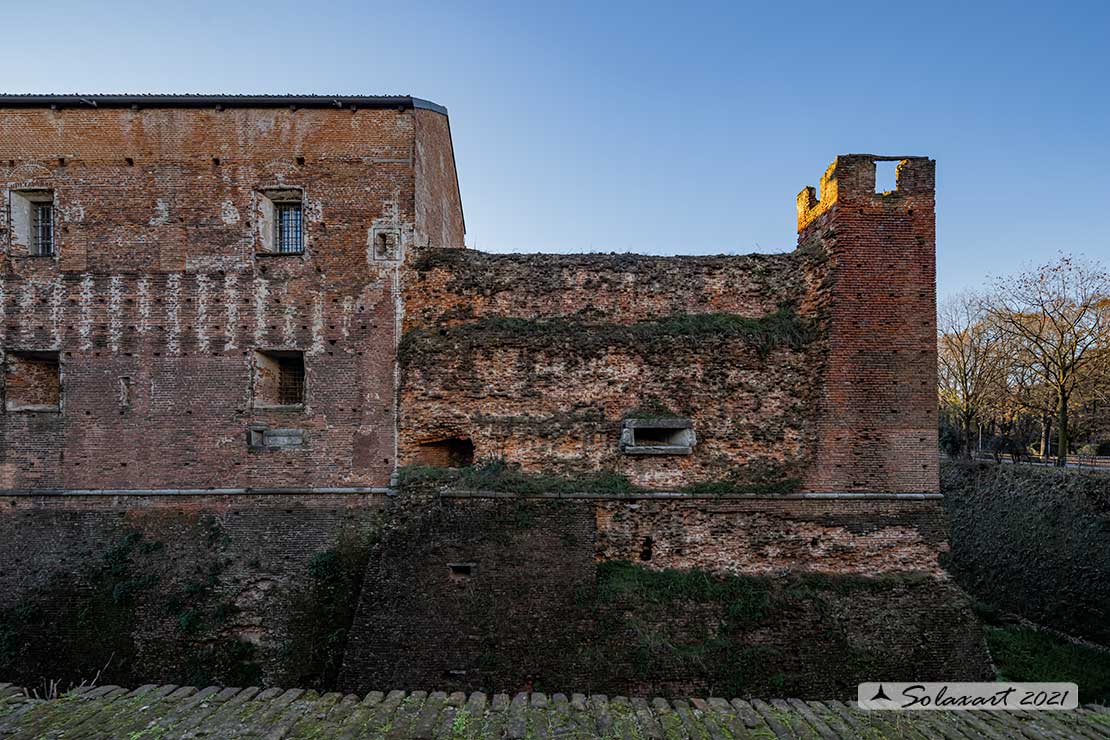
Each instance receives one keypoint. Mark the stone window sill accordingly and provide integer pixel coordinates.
(658, 450)
(33, 408)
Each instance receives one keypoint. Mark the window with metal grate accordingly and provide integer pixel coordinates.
(290, 234)
(290, 388)
(42, 228)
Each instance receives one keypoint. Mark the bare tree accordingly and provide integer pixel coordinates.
(1059, 318)
(970, 365)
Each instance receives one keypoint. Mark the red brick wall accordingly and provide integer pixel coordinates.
(773, 535)
(439, 214)
(877, 426)
(157, 282)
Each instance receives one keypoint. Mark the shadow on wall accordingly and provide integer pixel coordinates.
(258, 592)
(1032, 541)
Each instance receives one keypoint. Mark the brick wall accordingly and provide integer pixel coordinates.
(744, 596)
(211, 588)
(1032, 541)
(773, 536)
(439, 213)
(538, 359)
(158, 295)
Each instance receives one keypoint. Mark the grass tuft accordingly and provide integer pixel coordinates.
(1024, 654)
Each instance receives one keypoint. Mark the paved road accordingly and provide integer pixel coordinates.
(164, 712)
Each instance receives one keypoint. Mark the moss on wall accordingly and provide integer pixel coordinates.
(782, 329)
(795, 635)
(204, 596)
(1033, 541)
(503, 477)
(536, 609)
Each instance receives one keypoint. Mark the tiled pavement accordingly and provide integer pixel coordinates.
(163, 712)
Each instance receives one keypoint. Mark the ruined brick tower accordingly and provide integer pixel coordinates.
(878, 425)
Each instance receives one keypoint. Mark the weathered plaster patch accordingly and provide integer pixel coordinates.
(85, 301)
(143, 289)
(173, 314)
(313, 210)
(115, 318)
(229, 214)
(201, 319)
(71, 212)
(261, 294)
(289, 325)
(231, 311)
(345, 319)
(3, 313)
(57, 311)
(317, 323)
(27, 313)
(161, 215)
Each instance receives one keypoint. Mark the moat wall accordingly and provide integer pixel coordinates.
(563, 592)
(611, 594)
(232, 590)
(1033, 542)
(608, 593)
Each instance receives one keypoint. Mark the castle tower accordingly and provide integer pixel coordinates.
(877, 427)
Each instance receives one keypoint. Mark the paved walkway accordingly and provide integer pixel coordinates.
(164, 712)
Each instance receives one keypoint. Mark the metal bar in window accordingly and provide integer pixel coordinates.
(290, 232)
(291, 382)
(43, 227)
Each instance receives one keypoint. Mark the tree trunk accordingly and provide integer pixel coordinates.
(1062, 429)
(1046, 435)
(969, 442)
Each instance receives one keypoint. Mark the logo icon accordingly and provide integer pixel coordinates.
(880, 695)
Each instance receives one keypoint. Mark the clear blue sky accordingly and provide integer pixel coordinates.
(684, 127)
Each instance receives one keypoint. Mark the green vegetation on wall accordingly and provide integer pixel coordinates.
(91, 631)
(756, 635)
(782, 329)
(1032, 541)
(324, 615)
(502, 477)
(1023, 654)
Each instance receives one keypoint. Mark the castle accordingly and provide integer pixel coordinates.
(261, 307)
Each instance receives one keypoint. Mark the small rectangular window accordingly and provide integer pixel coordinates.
(290, 234)
(459, 572)
(32, 222)
(278, 378)
(886, 176)
(32, 381)
(280, 219)
(657, 436)
(42, 226)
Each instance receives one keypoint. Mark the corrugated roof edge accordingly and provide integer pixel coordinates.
(212, 101)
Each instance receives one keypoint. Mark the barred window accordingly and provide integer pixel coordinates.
(31, 220)
(279, 378)
(290, 389)
(42, 227)
(290, 234)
